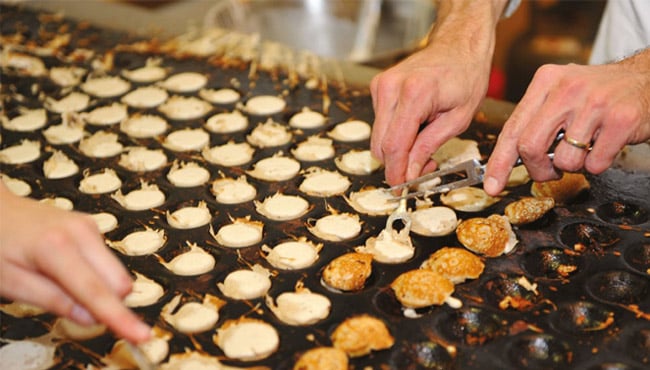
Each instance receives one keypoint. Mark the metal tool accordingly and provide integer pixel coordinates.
(140, 358)
(471, 171)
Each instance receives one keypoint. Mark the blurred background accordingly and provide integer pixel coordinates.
(375, 33)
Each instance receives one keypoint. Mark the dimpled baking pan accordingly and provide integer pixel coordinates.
(575, 292)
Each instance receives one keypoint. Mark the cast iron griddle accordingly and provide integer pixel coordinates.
(597, 317)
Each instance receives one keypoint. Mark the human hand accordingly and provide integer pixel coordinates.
(58, 261)
(605, 106)
(440, 87)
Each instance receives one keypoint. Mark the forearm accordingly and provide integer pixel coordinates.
(469, 25)
(639, 62)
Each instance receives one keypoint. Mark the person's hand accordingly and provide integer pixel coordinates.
(603, 107)
(440, 86)
(57, 260)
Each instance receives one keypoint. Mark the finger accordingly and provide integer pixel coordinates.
(384, 99)
(409, 114)
(505, 152)
(95, 252)
(436, 133)
(87, 288)
(571, 152)
(24, 285)
(607, 144)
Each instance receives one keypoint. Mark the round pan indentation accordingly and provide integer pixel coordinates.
(540, 351)
(508, 293)
(551, 263)
(421, 355)
(618, 287)
(587, 236)
(582, 317)
(622, 213)
(472, 326)
(638, 257)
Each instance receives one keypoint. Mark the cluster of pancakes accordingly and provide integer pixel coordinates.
(144, 120)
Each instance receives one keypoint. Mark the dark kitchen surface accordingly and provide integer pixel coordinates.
(595, 317)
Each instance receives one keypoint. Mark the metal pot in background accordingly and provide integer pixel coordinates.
(372, 32)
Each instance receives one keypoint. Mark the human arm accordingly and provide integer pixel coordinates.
(439, 86)
(57, 260)
(606, 105)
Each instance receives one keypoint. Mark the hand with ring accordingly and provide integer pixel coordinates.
(601, 108)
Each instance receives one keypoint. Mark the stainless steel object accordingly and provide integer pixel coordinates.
(354, 30)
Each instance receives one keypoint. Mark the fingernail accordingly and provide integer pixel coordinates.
(491, 185)
(143, 331)
(413, 171)
(82, 316)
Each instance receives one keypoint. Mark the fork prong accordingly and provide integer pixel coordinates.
(472, 169)
(467, 167)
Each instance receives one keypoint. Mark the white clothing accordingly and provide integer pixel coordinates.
(624, 29)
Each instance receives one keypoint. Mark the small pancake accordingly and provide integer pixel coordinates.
(276, 168)
(145, 97)
(140, 243)
(357, 162)
(145, 292)
(194, 262)
(59, 166)
(359, 335)
(307, 119)
(151, 72)
(144, 126)
(265, 105)
(421, 288)
(105, 87)
(528, 209)
(350, 131)
(105, 221)
(187, 175)
(282, 207)
(107, 115)
(184, 82)
(226, 123)
(390, 246)
(372, 201)
(16, 186)
(102, 144)
(25, 152)
(147, 197)
(293, 254)
(141, 159)
(247, 339)
(564, 190)
(186, 140)
(491, 236)
(315, 148)
(468, 199)
(269, 134)
(184, 108)
(455, 264)
(299, 308)
(241, 233)
(67, 76)
(433, 221)
(65, 133)
(322, 358)
(455, 151)
(189, 217)
(192, 317)
(229, 155)
(220, 96)
(322, 183)
(348, 272)
(246, 284)
(337, 227)
(102, 182)
(233, 191)
(58, 202)
(73, 102)
(29, 120)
